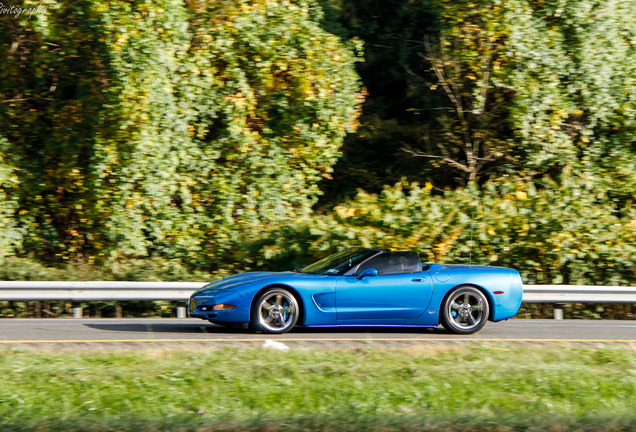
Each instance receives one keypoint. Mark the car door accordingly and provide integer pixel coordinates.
(394, 295)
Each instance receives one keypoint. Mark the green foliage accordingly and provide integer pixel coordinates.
(157, 129)
(266, 122)
(158, 270)
(575, 90)
(197, 136)
(547, 88)
(520, 86)
(545, 232)
(597, 311)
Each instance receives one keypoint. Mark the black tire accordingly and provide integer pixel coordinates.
(274, 311)
(465, 310)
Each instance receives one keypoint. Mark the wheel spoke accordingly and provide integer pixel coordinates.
(281, 321)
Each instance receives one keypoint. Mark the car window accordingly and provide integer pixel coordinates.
(341, 262)
(392, 263)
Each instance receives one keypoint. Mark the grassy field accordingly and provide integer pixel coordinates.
(486, 387)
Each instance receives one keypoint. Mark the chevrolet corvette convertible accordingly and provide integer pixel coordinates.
(363, 287)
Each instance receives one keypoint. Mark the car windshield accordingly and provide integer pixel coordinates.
(340, 262)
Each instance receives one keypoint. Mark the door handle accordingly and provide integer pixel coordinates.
(417, 279)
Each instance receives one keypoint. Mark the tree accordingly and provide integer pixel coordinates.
(574, 79)
(521, 87)
(171, 130)
(10, 236)
(56, 110)
(395, 105)
(471, 135)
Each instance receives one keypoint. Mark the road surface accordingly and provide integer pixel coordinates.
(180, 332)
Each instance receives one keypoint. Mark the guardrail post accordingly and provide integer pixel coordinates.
(181, 312)
(78, 312)
(558, 312)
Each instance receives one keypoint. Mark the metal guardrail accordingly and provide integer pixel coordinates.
(180, 291)
(578, 294)
(96, 290)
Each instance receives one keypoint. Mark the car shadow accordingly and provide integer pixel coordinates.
(203, 328)
(165, 328)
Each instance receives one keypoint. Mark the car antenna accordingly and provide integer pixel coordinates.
(472, 224)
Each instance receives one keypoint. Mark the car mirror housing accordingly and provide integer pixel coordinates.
(368, 272)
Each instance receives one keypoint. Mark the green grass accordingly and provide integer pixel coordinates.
(464, 387)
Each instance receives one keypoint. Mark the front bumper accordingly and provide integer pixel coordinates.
(202, 307)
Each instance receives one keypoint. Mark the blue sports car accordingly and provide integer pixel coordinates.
(363, 287)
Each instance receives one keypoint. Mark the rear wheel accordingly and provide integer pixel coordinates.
(465, 310)
(274, 311)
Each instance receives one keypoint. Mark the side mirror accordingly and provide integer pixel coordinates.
(367, 272)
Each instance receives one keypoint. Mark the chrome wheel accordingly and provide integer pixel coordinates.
(275, 311)
(465, 310)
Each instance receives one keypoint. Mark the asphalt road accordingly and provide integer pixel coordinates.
(179, 332)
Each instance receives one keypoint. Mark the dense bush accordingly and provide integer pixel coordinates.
(555, 233)
(544, 232)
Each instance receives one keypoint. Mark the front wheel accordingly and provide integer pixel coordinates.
(274, 311)
(465, 310)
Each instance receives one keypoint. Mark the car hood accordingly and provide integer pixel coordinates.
(231, 282)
